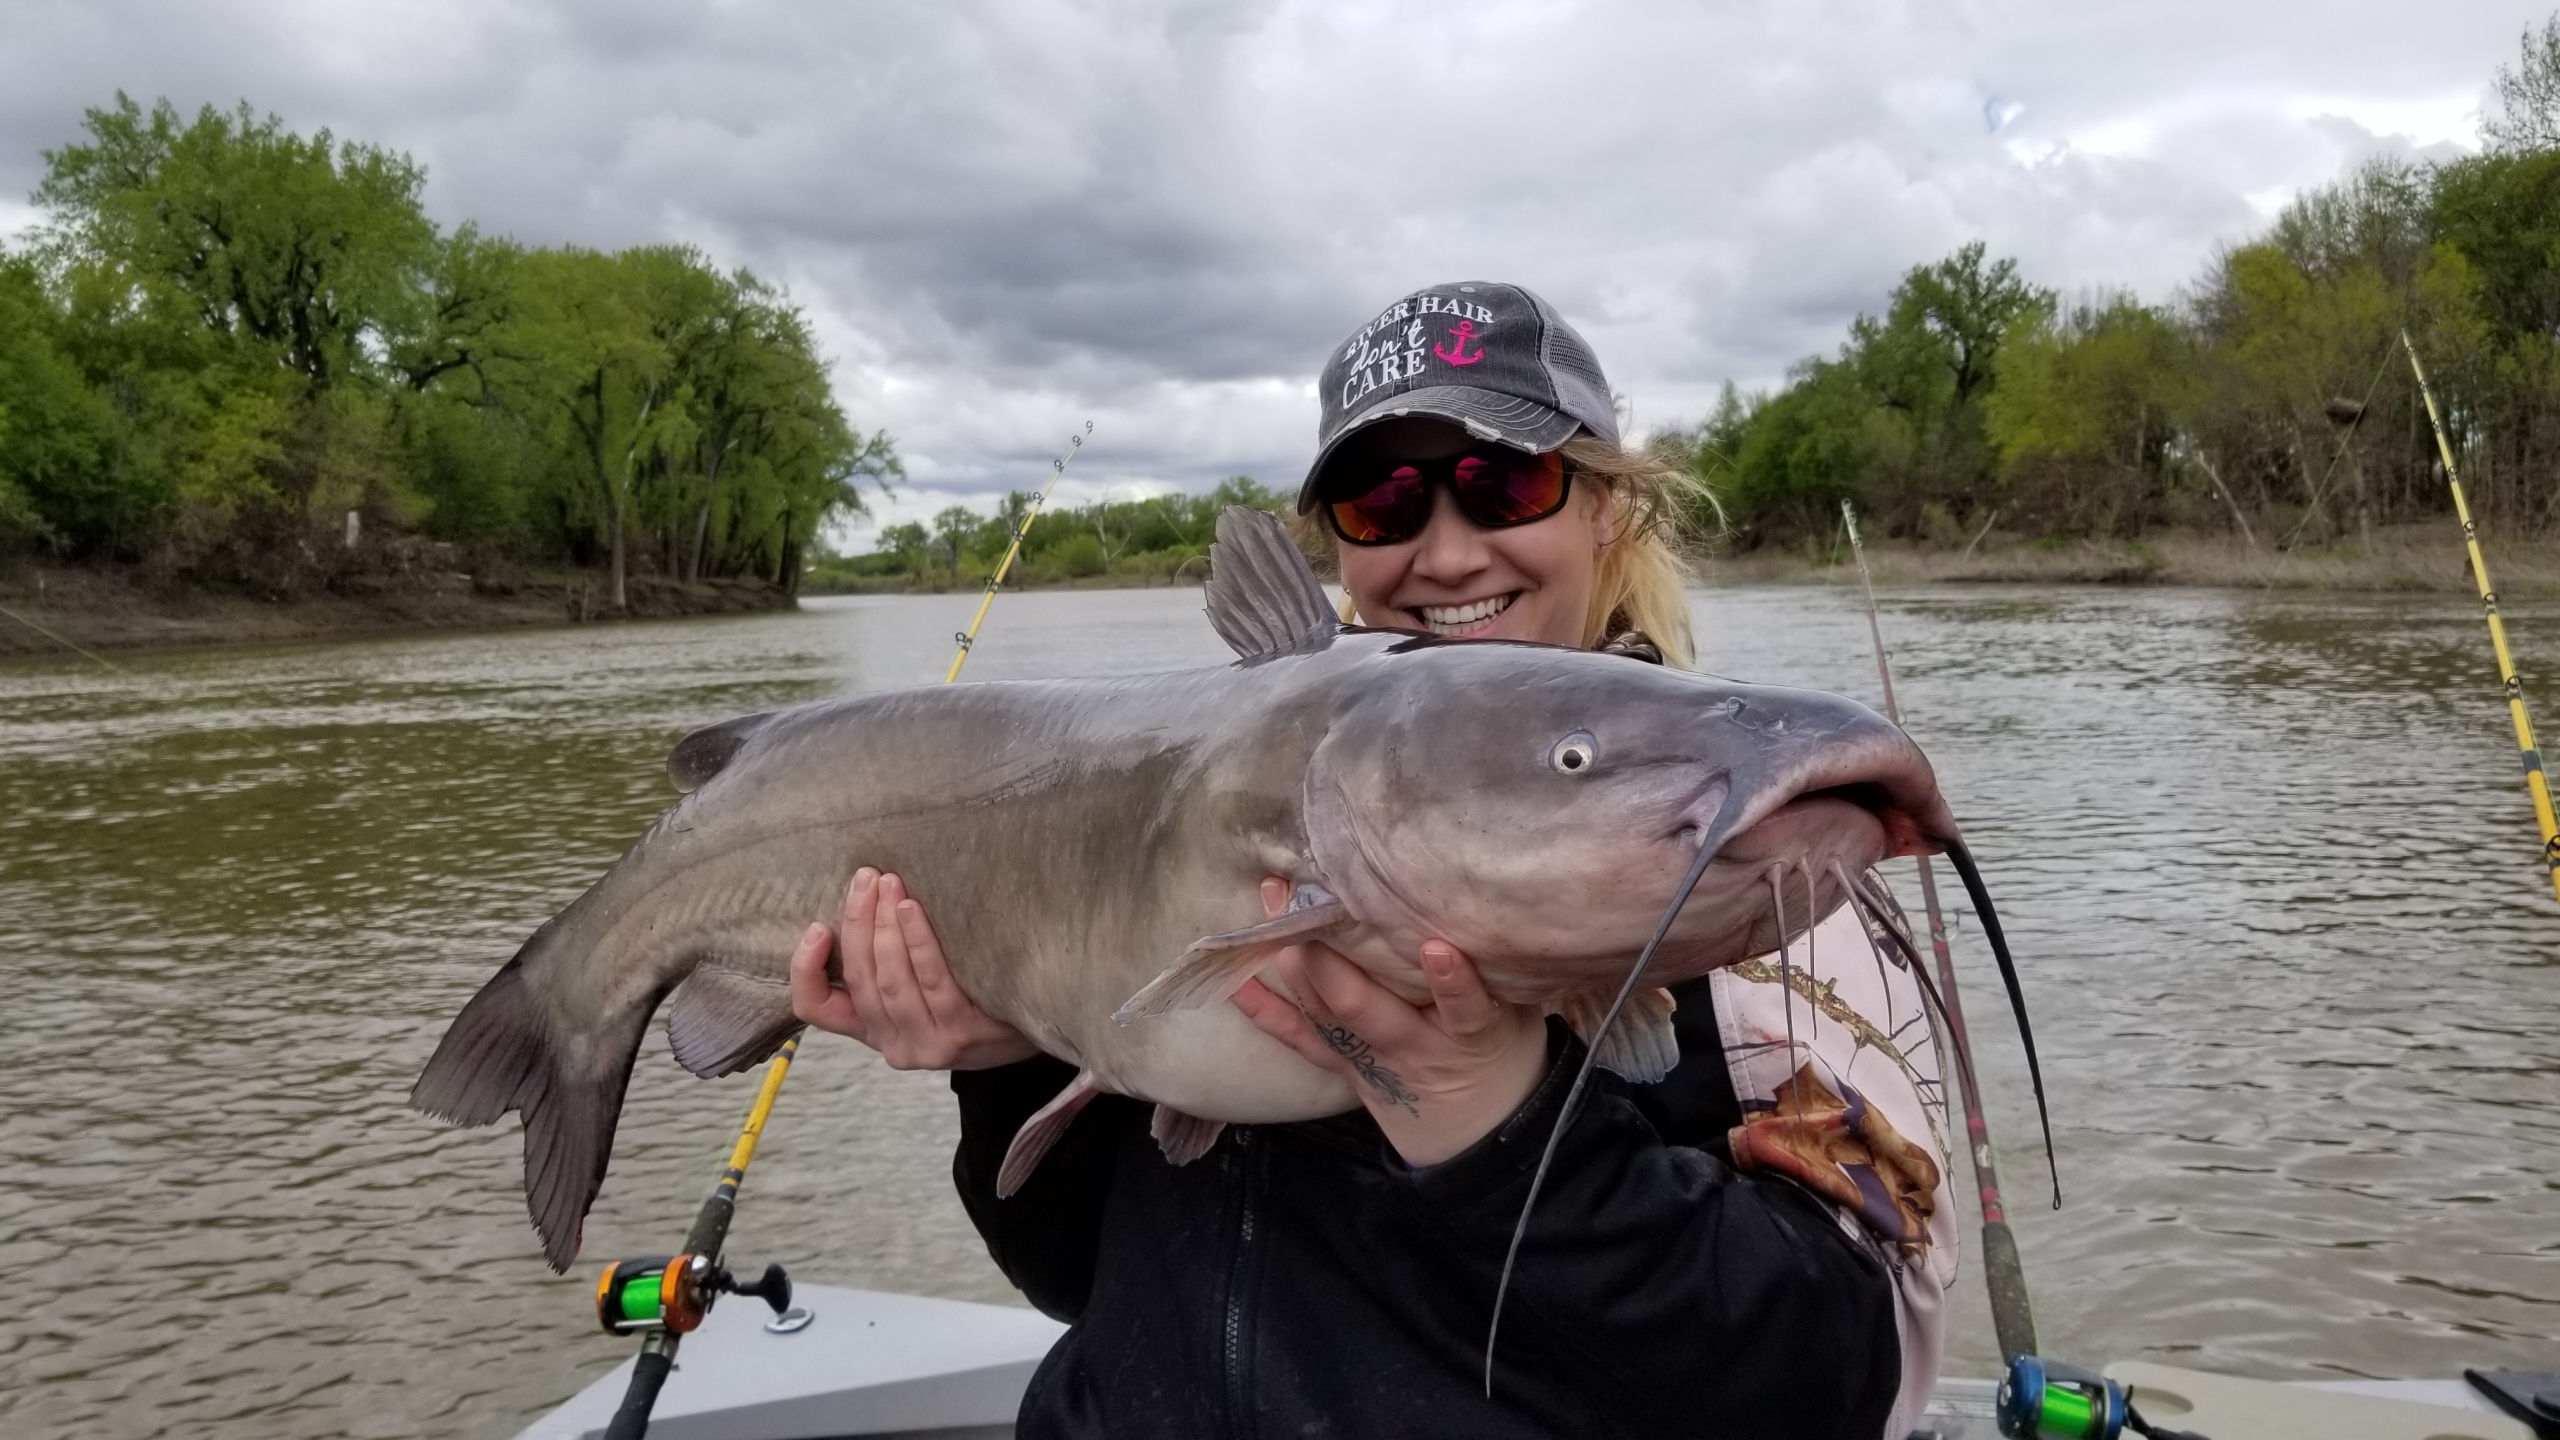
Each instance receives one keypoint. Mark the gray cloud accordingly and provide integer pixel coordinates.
(1010, 217)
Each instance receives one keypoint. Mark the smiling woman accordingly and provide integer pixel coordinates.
(1608, 572)
(1714, 1254)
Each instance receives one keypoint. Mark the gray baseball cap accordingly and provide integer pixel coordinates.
(1495, 359)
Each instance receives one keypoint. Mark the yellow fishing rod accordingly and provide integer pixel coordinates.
(2534, 782)
(1057, 472)
(666, 1296)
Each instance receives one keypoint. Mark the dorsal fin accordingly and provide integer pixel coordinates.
(701, 755)
(1263, 598)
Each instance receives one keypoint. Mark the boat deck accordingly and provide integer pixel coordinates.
(909, 1367)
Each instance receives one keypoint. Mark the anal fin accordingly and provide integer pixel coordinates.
(1182, 1137)
(723, 1020)
(1216, 966)
(1038, 1134)
(1642, 1045)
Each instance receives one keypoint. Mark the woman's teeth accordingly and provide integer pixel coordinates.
(1459, 619)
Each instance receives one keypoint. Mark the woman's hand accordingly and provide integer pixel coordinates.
(897, 995)
(1438, 1077)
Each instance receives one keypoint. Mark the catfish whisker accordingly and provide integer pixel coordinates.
(1581, 1078)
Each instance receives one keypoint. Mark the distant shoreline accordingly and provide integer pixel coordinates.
(121, 611)
(2426, 559)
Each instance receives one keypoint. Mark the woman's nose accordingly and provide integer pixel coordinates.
(1450, 548)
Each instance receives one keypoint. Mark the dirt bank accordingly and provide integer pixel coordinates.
(2412, 558)
(116, 609)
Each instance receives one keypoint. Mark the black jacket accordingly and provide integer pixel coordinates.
(1300, 1280)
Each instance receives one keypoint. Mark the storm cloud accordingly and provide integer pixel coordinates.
(1012, 216)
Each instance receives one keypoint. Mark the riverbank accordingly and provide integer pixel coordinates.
(104, 609)
(125, 610)
(2413, 558)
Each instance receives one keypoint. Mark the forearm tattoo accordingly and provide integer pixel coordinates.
(1379, 1078)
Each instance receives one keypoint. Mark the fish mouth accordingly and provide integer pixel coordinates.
(1864, 807)
(1813, 831)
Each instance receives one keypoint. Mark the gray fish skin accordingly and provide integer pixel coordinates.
(1071, 838)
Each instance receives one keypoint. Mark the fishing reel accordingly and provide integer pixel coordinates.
(2044, 1399)
(661, 1292)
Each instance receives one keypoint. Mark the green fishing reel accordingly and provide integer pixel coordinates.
(2044, 1399)
(674, 1292)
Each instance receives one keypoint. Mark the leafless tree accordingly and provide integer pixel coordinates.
(2528, 115)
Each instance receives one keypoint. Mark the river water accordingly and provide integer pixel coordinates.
(2265, 860)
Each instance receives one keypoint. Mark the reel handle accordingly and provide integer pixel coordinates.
(773, 1287)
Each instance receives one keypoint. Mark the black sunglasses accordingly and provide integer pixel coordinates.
(1379, 501)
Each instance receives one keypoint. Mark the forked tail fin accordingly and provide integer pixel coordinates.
(500, 1055)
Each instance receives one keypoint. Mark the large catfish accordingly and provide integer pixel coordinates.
(1090, 851)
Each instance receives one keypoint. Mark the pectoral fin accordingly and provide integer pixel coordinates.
(1183, 1138)
(1642, 1045)
(1216, 966)
(1039, 1133)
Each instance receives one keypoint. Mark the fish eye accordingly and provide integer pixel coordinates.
(1575, 754)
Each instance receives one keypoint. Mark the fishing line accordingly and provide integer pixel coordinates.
(2284, 552)
(1865, 905)
(1581, 1077)
(1962, 859)
(59, 640)
(1929, 995)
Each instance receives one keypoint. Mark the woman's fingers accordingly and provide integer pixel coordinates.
(1459, 1002)
(815, 1000)
(1276, 1017)
(918, 1042)
(1342, 996)
(943, 999)
(855, 948)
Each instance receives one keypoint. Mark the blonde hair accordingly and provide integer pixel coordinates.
(1643, 581)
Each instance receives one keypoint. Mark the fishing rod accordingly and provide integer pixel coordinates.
(666, 1296)
(1021, 532)
(2012, 1315)
(2534, 782)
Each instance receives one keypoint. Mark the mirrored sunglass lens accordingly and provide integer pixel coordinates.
(1393, 509)
(1506, 490)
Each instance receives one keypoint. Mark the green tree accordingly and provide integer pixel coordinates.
(955, 533)
(304, 248)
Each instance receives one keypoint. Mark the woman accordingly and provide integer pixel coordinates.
(1335, 1278)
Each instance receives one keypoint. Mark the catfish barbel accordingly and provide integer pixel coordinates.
(1091, 852)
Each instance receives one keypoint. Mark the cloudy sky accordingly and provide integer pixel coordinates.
(1011, 216)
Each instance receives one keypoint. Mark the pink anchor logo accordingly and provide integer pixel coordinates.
(1457, 354)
